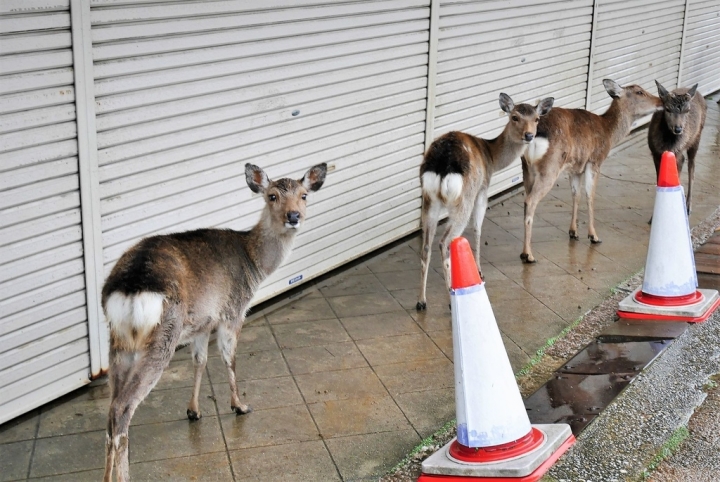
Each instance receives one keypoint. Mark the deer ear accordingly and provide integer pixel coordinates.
(613, 88)
(314, 178)
(545, 105)
(506, 103)
(692, 91)
(256, 178)
(662, 91)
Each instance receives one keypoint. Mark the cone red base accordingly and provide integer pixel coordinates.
(631, 308)
(536, 475)
(526, 465)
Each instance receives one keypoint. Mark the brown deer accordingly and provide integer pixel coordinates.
(177, 288)
(678, 129)
(578, 141)
(455, 174)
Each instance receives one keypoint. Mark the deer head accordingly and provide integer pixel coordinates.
(524, 118)
(676, 105)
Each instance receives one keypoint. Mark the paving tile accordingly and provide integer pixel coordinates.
(20, 428)
(377, 326)
(443, 339)
(303, 461)
(175, 439)
(436, 317)
(255, 338)
(84, 476)
(276, 426)
(555, 285)
(428, 410)
(400, 259)
(339, 385)
(570, 308)
(259, 394)
(69, 453)
(434, 373)
(518, 358)
(305, 309)
(178, 374)
(249, 366)
(398, 349)
(351, 285)
(504, 291)
(334, 356)
(213, 466)
(354, 416)
(402, 280)
(528, 322)
(310, 333)
(15, 457)
(363, 457)
(366, 304)
(73, 416)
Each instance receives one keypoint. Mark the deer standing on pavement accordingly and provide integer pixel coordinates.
(578, 141)
(455, 174)
(677, 129)
(177, 288)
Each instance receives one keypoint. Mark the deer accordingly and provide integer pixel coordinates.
(177, 288)
(678, 129)
(578, 141)
(455, 174)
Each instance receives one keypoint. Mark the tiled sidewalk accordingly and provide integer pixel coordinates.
(344, 375)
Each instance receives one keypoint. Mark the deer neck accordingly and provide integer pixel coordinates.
(267, 246)
(617, 122)
(503, 151)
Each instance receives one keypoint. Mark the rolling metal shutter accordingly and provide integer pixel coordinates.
(701, 54)
(188, 92)
(43, 318)
(636, 43)
(529, 49)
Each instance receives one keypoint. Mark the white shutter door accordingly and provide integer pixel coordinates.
(636, 43)
(529, 49)
(43, 319)
(188, 92)
(701, 59)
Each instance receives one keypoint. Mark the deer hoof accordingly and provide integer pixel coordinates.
(527, 258)
(241, 411)
(421, 306)
(594, 239)
(193, 415)
(574, 235)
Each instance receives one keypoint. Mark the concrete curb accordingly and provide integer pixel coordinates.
(625, 438)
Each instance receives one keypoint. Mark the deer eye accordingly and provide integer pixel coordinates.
(272, 197)
(640, 92)
(304, 197)
(515, 118)
(537, 120)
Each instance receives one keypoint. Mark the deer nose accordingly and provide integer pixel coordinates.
(677, 129)
(529, 136)
(293, 217)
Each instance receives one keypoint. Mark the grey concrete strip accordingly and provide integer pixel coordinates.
(625, 438)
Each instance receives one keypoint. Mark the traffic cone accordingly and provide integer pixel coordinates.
(669, 290)
(495, 440)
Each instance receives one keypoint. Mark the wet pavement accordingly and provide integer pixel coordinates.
(344, 375)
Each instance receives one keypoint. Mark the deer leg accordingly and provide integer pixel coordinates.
(458, 220)
(656, 161)
(143, 377)
(541, 186)
(591, 178)
(691, 175)
(430, 216)
(199, 357)
(227, 342)
(121, 363)
(480, 209)
(575, 188)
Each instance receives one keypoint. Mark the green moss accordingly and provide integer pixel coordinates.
(668, 448)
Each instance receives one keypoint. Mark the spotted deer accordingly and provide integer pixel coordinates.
(678, 129)
(578, 141)
(177, 288)
(455, 175)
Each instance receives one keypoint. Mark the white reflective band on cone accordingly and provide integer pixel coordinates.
(670, 264)
(489, 408)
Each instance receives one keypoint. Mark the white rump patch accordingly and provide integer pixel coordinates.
(451, 187)
(536, 149)
(138, 313)
(431, 184)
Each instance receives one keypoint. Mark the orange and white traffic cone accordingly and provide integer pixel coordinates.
(669, 290)
(495, 440)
